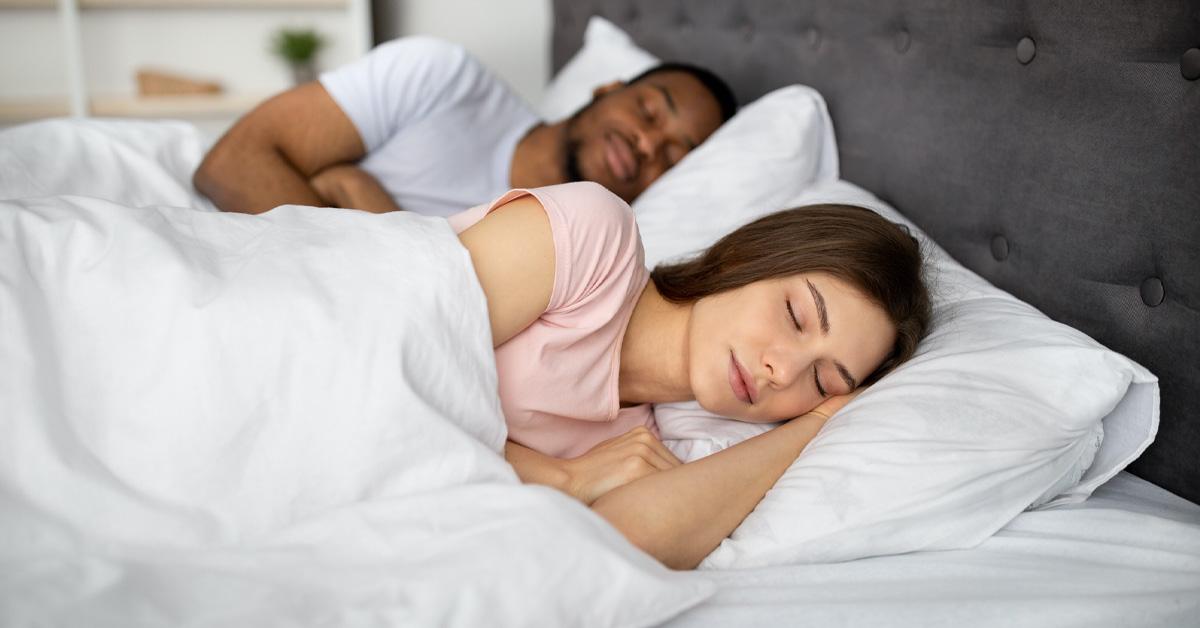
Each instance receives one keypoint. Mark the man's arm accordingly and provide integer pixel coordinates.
(344, 185)
(270, 155)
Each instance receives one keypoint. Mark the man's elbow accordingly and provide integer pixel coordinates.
(208, 177)
(216, 177)
(203, 179)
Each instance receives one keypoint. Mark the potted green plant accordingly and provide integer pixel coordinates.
(299, 47)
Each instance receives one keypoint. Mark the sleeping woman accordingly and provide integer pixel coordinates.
(785, 318)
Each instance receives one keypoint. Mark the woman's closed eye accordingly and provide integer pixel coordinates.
(792, 315)
(817, 379)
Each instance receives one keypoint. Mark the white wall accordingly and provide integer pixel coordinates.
(512, 37)
(32, 63)
(231, 47)
(228, 45)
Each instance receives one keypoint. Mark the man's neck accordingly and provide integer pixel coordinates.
(654, 351)
(538, 159)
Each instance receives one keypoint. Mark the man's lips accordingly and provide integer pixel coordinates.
(740, 381)
(620, 158)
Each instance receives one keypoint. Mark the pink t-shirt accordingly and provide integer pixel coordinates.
(559, 377)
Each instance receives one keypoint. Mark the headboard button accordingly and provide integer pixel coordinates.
(814, 37)
(1189, 64)
(1153, 292)
(903, 41)
(1000, 248)
(1026, 50)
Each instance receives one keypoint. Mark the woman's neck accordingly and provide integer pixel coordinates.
(654, 351)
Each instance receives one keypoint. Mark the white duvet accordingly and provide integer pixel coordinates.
(291, 418)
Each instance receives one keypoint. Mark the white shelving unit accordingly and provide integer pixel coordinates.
(101, 41)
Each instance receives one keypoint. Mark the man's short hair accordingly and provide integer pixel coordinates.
(714, 84)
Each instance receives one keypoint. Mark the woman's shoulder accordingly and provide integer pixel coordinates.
(595, 221)
(587, 202)
(584, 204)
(596, 240)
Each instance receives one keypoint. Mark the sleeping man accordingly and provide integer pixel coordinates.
(420, 125)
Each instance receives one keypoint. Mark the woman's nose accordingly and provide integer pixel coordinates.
(783, 367)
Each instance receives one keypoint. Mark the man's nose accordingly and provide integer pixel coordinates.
(650, 141)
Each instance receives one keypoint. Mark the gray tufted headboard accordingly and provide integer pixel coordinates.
(1053, 147)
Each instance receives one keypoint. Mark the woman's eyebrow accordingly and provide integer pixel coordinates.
(819, 300)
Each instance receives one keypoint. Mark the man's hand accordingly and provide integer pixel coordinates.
(616, 462)
(345, 185)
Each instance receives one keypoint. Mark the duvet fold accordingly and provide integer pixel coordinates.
(282, 419)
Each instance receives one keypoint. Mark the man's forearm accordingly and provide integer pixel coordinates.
(346, 185)
(251, 180)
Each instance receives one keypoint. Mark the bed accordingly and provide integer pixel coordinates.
(1048, 149)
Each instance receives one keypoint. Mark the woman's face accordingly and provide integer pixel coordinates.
(777, 348)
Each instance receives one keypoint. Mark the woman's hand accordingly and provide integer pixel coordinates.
(830, 406)
(616, 462)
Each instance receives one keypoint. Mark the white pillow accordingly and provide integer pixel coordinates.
(1000, 408)
(773, 149)
(608, 54)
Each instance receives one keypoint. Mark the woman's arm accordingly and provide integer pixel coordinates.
(613, 463)
(512, 250)
(679, 516)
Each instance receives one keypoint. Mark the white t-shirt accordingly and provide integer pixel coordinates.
(439, 128)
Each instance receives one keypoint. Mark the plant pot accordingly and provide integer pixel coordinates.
(303, 72)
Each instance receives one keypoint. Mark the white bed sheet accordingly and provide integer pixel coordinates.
(1128, 556)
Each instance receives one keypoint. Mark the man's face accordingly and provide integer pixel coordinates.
(630, 134)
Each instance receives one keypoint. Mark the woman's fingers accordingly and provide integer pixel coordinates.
(657, 448)
(831, 405)
(656, 456)
(618, 461)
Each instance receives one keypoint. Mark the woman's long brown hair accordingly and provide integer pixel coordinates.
(879, 258)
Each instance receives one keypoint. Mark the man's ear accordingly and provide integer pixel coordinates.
(606, 89)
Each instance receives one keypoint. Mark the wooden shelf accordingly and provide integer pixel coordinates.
(28, 4)
(184, 106)
(13, 111)
(180, 4)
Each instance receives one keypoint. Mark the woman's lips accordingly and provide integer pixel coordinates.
(619, 155)
(740, 382)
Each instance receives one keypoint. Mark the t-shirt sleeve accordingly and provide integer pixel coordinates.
(401, 81)
(598, 251)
